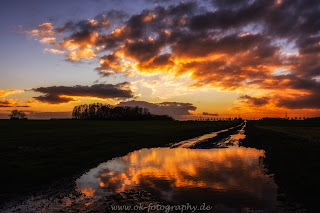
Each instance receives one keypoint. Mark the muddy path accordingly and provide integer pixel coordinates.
(220, 139)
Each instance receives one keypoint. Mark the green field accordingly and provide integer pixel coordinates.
(36, 153)
(292, 155)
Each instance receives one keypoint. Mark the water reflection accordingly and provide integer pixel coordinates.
(193, 141)
(231, 178)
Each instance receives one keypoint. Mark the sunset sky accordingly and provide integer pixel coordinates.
(210, 58)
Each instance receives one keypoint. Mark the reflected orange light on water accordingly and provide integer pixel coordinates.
(214, 169)
(230, 177)
(89, 192)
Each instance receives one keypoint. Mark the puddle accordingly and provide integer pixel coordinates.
(192, 142)
(231, 179)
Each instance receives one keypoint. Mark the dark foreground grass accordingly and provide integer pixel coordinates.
(292, 155)
(36, 153)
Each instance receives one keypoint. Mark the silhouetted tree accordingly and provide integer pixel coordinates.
(17, 115)
(100, 111)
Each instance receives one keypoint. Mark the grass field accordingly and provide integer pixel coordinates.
(36, 153)
(292, 156)
(304, 130)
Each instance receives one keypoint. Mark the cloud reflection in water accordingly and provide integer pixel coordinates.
(232, 177)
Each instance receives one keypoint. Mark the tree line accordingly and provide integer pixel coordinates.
(99, 111)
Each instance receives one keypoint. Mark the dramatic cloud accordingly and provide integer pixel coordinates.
(300, 102)
(304, 93)
(230, 45)
(174, 109)
(65, 94)
(80, 45)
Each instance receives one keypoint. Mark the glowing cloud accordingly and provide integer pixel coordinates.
(233, 48)
(4, 93)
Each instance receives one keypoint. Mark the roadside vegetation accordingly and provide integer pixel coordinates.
(37, 153)
(292, 156)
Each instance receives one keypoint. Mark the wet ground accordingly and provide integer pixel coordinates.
(211, 169)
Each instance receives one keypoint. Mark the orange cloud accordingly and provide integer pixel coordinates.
(236, 47)
(10, 103)
(83, 40)
(48, 40)
(4, 93)
(181, 170)
(80, 46)
(42, 31)
(81, 54)
(54, 51)
(7, 103)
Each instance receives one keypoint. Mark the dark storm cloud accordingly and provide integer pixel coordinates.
(174, 109)
(229, 44)
(65, 94)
